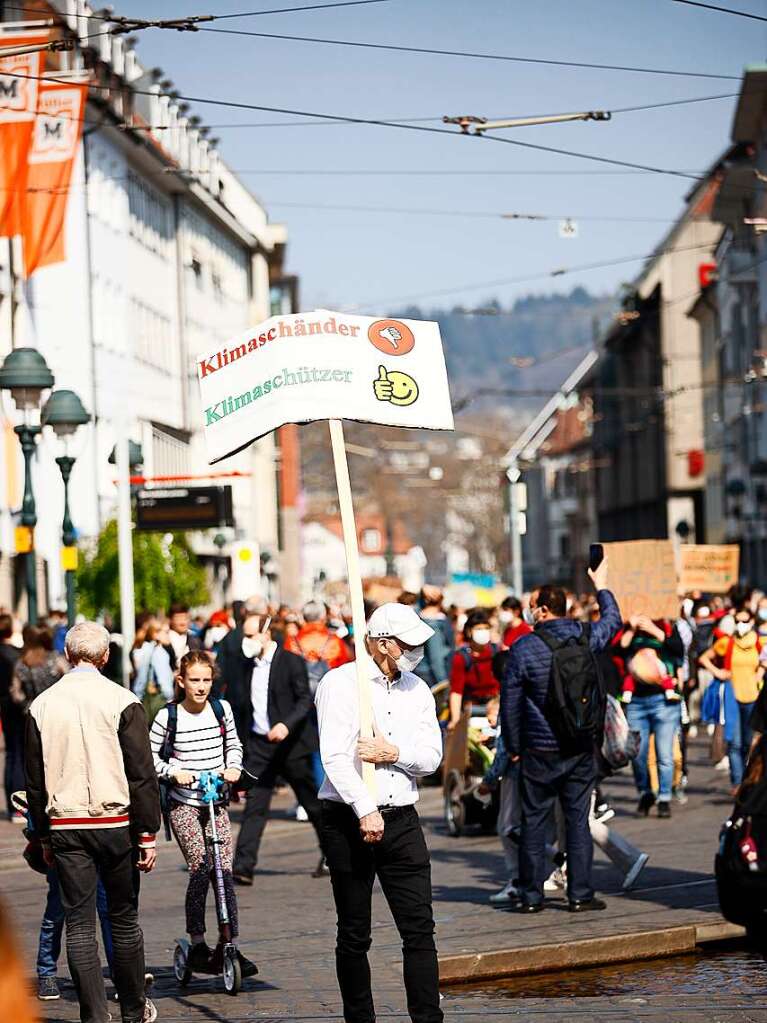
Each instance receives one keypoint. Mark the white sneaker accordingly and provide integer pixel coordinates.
(301, 814)
(636, 869)
(723, 765)
(556, 881)
(150, 1011)
(508, 893)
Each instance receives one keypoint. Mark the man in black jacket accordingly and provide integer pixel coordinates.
(268, 688)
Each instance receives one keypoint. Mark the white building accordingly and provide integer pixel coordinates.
(168, 255)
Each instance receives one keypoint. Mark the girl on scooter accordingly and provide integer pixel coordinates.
(197, 733)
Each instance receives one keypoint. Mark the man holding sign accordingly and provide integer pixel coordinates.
(297, 369)
(368, 834)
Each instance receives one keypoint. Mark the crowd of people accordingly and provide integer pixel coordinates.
(251, 692)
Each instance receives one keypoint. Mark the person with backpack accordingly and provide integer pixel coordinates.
(471, 673)
(552, 716)
(735, 661)
(194, 734)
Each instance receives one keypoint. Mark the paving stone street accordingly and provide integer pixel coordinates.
(288, 927)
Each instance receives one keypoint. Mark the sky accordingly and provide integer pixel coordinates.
(456, 251)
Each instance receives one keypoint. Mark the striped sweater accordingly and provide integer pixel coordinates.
(199, 746)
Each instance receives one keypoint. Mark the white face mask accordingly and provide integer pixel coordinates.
(743, 628)
(505, 617)
(529, 617)
(410, 659)
(251, 647)
(481, 636)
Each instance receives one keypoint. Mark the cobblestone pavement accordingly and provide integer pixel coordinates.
(288, 925)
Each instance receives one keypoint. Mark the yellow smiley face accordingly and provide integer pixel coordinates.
(404, 388)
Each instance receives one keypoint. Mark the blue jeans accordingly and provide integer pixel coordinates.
(655, 715)
(52, 927)
(740, 743)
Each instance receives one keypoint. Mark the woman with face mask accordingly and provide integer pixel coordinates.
(471, 672)
(735, 661)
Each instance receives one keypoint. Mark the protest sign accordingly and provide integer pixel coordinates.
(642, 575)
(327, 365)
(323, 365)
(710, 568)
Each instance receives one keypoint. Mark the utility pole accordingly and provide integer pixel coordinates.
(125, 546)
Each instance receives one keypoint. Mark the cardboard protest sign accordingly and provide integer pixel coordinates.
(323, 365)
(642, 575)
(710, 568)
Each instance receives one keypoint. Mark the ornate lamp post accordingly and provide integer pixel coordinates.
(26, 375)
(64, 412)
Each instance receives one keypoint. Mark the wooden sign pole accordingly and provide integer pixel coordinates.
(355, 589)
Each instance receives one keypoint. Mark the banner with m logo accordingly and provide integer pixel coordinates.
(19, 86)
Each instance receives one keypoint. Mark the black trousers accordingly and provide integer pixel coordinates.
(82, 856)
(266, 762)
(544, 778)
(401, 862)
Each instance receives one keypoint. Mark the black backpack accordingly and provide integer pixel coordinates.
(166, 751)
(575, 702)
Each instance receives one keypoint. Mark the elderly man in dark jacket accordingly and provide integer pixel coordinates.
(548, 772)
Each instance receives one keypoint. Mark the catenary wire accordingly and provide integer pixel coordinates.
(511, 58)
(377, 122)
(528, 278)
(407, 49)
(214, 17)
(721, 10)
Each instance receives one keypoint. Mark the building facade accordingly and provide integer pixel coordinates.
(167, 256)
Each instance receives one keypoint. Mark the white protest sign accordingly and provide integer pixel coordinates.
(323, 365)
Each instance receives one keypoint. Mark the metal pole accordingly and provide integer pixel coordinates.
(65, 464)
(125, 547)
(27, 437)
(512, 474)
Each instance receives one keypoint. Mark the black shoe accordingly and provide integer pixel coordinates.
(586, 905)
(664, 809)
(526, 907)
(321, 870)
(199, 958)
(244, 880)
(643, 806)
(248, 968)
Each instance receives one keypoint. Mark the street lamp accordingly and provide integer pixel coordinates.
(26, 375)
(64, 412)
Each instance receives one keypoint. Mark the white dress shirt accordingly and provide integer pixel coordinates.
(180, 643)
(404, 714)
(259, 690)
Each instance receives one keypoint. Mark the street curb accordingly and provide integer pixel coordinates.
(615, 948)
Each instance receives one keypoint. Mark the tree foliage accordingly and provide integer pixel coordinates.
(165, 571)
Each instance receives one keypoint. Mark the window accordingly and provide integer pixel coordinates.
(153, 336)
(371, 540)
(150, 215)
(196, 267)
(170, 453)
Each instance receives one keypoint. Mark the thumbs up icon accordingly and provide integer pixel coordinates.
(395, 387)
(382, 386)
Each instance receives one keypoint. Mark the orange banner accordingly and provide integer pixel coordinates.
(58, 127)
(18, 104)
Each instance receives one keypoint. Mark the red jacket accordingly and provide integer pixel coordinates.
(476, 682)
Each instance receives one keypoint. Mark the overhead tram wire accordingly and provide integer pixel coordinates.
(469, 54)
(721, 10)
(375, 122)
(458, 289)
(116, 20)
